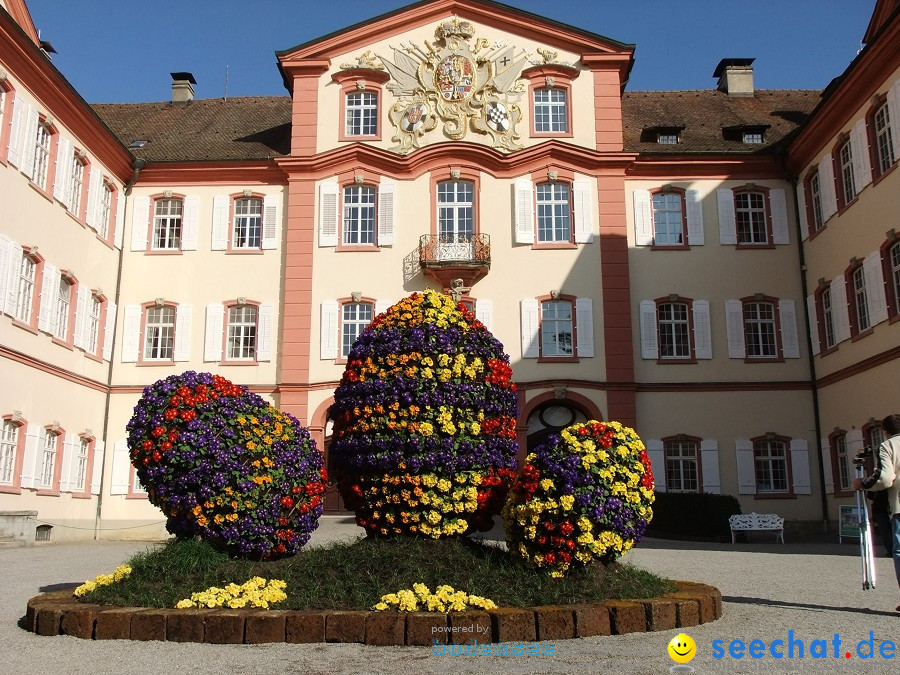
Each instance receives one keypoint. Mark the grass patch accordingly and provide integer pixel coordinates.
(354, 575)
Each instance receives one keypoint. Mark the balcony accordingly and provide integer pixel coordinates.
(448, 257)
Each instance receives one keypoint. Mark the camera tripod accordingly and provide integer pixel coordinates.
(866, 552)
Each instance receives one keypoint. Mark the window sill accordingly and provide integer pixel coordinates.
(672, 247)
(25, 326)
(62, 343)
(41, 191)
(155, 364)
(371, 248)
(775, 495)
(557, 245)
(344, 138)
(558, 359)
(239, 363)
(244, 251)
(859, 336)
(753, 359)
(877, 179)
(93, 357)
(830, 350)
(842, 494)
(106, 242)
(816, 233)
(844, 207)
(675, 361)
(161, 251)
(73, 216)
(10, 489)
(552, 134)
(47, 492)
(82, 495)
(754, 247)
(136, 495)
(894, 318)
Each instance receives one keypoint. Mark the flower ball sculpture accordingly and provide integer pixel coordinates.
(584, 495)
(425, 421)
(223, 464)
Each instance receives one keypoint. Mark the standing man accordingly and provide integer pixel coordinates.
(886, 476)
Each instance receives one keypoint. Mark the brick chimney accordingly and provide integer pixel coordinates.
(182, 87)
(735, 76)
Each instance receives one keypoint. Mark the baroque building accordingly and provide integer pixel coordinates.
(718, 268)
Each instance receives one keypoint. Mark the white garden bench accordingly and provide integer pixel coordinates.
(769, 522)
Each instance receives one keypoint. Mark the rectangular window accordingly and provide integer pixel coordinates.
(355, 318)
(682, 473)
(770, 458)
(828, 318)
(25, 291)
(847, 181)
(247, 223)
(551, 111)
(759, 330)
(159, 333)
(875, 437)
(752, 137)
(667, 138)
(362, 114)
(167, 225)
(750, 212)
(674, 331)
(76, 181)
(843, 462)
(894, 258)
(9, 442)
(41, 155)
(359, 215)
(884, 142)
(81, 469)
(63, 303)
(553, 213)
(668, 219)
(557, 329)
(242, 333)
(103, 210)
(860, 305)
(92, 327)
(815, 196)
(456, 223)
(48, 462)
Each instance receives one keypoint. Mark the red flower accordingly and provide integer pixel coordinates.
(287, 502)
(566, 528)
(147, 445)
(158, 431)
(550, 558)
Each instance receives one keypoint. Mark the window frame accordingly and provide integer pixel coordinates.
(7, 96)
(815, 208)
(852, 274)
(146, 308)
(698, 461)
(77, 204)
(49, 168)
(554, 243)
(37, 260)
(68, 338)
(825, 319)
(342, 219)
(767, 215)
(53, 490)
(21, 426)
(839, 167)
(155, 200)
(785, 442)
(890, 263)
(841, 488)
(872, 134)
(776, 323)
(227, 358)
(233, 218)
(360, 80)
(461, 175)
(666, 191)
(549, 76)
(342, 302)
(543, 357)
(91, 441)
(688, 303)
(97, 353)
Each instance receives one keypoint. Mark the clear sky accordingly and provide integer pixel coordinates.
(124, 51)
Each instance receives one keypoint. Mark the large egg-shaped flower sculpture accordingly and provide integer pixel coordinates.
(424, 421)
(584, 495)
(223, 464)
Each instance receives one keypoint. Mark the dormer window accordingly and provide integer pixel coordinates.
(747, 134)
(667, 137)
(663, 134)
(752, 137)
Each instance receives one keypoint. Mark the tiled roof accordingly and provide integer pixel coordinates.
(259, 127)
(703, 114)
(255, 127)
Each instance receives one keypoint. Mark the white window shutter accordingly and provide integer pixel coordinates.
(531, 346)
(190, 223)
(271, 222)
(584, 327)
(790, 341)
(221, 204)
(140, 222)
(82, 308)
(12, 283)
(96, 476)
(328, 335)
(702, 331)
(893, 102)
(862, 164)
(649, 333)
(854, 440)
(386, 223)
(484, 310)
(734, 324)
(266, 327)
(49, 293)
(778, 205)
(32, 119)
(95, 184)
(584, 212)
(131, 333)
(184, 315)
(17, 130)
(328, 213)
(29, 456)
(381, 306)
(657, 455)
(121, 469)
(109, 330)
(215, 326)
(875, 297)
(524, 210)
(746, 467)
(800, 466)
(839, 309)
(67, 472)
(825, 455)
(727, 222)
(826, 188)
(801, 211)
(709, 466)
(643, 218)
(119, 233)
(6, 246)
(812, 316)
(65, 155)
(694, 215)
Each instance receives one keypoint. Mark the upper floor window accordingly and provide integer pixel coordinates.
(557, 329)
(358, 222)
(885, 152)
(828, 317)
(771, 463)
(62, 307)
(815, 200)
(752, 137)
(242, 333)
(874, 435)
(9, 444)
(361, 114)
(159, 333)
(669, 222)
(24, 288)
(104, 209)
(750, 217)
(847, 181)
(551, 110)
(667, 137)
(248, 216)
(554, 213)
(893, 259)
(49, 453)
(682, 465)
(355, 318)
(456, 211)
(759, 330)
(674, 330)
(76, 185)
(42, 140)
(842, 462)
(167, 224)
(859, 305)
(92, 324)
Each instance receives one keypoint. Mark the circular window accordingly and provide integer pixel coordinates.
(557, 416)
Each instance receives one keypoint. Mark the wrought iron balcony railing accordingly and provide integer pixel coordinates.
(448, 250)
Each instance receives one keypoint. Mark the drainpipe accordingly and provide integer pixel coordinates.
(812, 359)
(136, 165)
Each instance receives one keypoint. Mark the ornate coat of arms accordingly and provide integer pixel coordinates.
(467, 86)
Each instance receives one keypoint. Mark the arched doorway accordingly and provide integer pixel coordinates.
(551, 418)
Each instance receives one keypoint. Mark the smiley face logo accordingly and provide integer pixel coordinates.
(682, 648)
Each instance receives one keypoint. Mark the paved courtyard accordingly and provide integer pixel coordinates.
(769, 589)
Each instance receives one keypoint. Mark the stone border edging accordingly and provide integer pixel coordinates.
(57, 613)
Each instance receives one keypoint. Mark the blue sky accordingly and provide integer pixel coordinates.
(124, 52)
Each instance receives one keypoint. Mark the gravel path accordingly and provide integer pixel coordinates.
(769, 589)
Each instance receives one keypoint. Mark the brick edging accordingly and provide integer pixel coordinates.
(57, 613)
